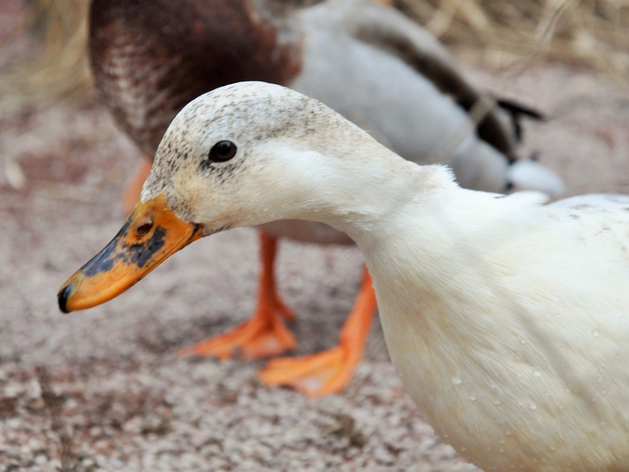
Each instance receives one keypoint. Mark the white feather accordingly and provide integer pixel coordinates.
(528, 174)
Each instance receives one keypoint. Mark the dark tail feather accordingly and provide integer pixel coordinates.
(516, 113)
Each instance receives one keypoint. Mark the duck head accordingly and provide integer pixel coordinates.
(242, 155)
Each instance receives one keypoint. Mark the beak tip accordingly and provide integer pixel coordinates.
(63, 296)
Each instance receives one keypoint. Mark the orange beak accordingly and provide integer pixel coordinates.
(148, 237)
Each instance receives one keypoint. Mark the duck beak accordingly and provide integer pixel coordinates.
(148, 237)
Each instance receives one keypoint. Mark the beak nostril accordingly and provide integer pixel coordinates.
(144, 228)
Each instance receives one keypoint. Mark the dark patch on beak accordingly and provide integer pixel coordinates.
(119, 251)
(104, 260)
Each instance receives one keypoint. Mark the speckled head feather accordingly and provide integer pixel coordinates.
(252, 115)
(188, 137)
(299, 158)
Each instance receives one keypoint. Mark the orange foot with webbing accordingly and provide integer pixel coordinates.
(332, 370)
(265, 333)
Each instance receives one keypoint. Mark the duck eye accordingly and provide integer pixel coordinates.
(222, 151)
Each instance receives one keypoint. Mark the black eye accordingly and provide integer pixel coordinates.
(222, 151)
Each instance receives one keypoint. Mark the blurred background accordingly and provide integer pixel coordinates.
(44, 57)
(104, 390)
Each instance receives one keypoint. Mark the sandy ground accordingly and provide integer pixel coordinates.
(103, 389)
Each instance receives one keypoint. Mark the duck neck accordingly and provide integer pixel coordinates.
(375, 197)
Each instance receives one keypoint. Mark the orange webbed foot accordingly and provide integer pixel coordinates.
(323, 373)
(265, 334)
(329, 371)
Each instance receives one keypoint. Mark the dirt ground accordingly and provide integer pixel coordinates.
(103, 389)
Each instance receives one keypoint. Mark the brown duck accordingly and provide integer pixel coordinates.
(365, 60)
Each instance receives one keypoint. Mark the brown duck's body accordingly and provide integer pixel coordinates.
(150, 58)
(366, 61)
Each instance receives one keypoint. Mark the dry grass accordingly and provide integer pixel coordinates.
(592, 33)
(57, 67)
(494, 33)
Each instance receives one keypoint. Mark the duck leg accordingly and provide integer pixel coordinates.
(134, 187)
(329, 371)
(265, 333)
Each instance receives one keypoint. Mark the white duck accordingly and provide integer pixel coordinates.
(367, 61)
(506, 319)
